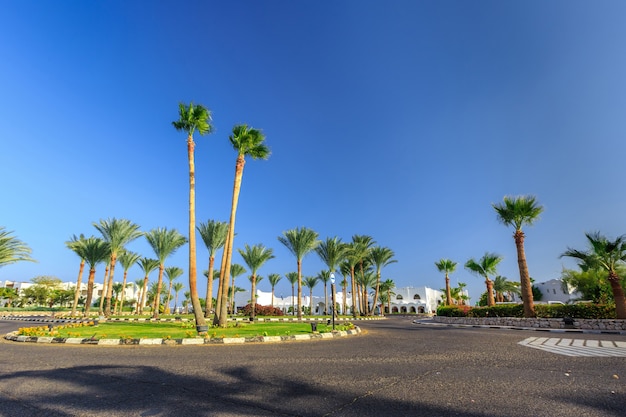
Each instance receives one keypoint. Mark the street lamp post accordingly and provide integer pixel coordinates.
(332, 291)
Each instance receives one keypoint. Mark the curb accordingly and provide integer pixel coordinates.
(187, 341)
(537, 329)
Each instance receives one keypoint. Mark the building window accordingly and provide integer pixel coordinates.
(399, 297)
(416, 297)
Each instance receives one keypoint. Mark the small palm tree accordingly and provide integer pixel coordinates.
(164, 243)
(387, 287)
(517, 212)
(332, 252)
(446, 266)
(127, 259)
(235, 271)
(358, 252)
(177, 287)
(299, 241)
(12, 249)
(139, 283)
(462, 296)
(213, 234)
(193, 119)
(324, 276)
(502, 285)
(379, 257)
(246, 141)
(292, 277)
(172, 273)
(255, 256)
(310, 282)
(95, 251)
(484, 267)
(147, 266)
(273, 279)
(118, 233)
(607, 255)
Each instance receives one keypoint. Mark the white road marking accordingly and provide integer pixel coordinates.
(577, 347)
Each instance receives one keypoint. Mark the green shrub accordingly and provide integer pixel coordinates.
(453, 311)
(503, 310)
(580, 311)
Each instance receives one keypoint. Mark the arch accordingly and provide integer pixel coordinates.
(421, 310)
(394, 309)
(417, 297)
(399, 297)
(413, 309)
(403, 309)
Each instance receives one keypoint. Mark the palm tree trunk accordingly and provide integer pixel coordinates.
(121, 307)
(107, 309)
(104, 290)
(375, 293)
(157, 297)
(525, 285)
(208, 303)
(77, 291)
(353, 292)
(618, 295)
(299, 289)
(220, 287)
(252, 297)
(90, 280)
(193, 270)
(231, 236)
(490, 299)
(144, 291)
(344, 290)
(448, 294)
(293, 295)
(325, 299)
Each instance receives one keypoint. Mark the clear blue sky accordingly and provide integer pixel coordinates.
(403, 120)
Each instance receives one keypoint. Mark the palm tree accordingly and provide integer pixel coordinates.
(387, 287)
(140, 285)
(502, 285)
(164, 243)
(517, 212)
(299, 241)
(77, 245)
(147, 266)
(447, 266)
(606, 255)
(346, 267)
(235, 271)
(462, 297)
(95, 251)
(292, 277)
(117, 289)
(172, 273)
(484, 267)
(12, 249)
(358, 251)
(177, 287)
(324, 276)
(366, 280)
(310, 282)
(380, 257)
(273, 279)
(331, 251)
(118, 232)
(127, 259)
(255, 256)
(191, 119)
(246, 141)
(105, 283)
(213, 234)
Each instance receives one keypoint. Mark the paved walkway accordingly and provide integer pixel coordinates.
(577, 347)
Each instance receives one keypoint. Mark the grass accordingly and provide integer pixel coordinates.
(173, 330)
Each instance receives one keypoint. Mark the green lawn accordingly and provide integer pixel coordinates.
(175, 330)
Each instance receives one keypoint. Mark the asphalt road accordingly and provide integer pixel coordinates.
(395, 368)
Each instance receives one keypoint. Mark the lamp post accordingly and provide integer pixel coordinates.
(332, 291)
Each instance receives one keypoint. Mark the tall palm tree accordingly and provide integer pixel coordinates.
(246, 141)
(213, 235)
(105, 283)
(12, 249)
(446, 266)
(331, 251)
(177, 287)
(193, 119)
(96, 251)
(172, 273)
(358, 252)
(255, 256)
(292, 277)
(517, 212)
(379, 257)
(118, 232)
(164, 243)
(366, 280)
(347, 268)
(235, 271)
(273, 279)
(127, 260)
(299, 241)
(310, 282)
(502, 285)
(147, 266)
(140, 284)
(387, 287)
(607, 255)
(77, 245)
(484, 267)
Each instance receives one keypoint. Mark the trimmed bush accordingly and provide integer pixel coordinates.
(453, 311)
(580, 311)
(261, 310)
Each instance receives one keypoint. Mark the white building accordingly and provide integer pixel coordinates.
(557, 290)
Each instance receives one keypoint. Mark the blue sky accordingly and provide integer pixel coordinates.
(402, 120)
